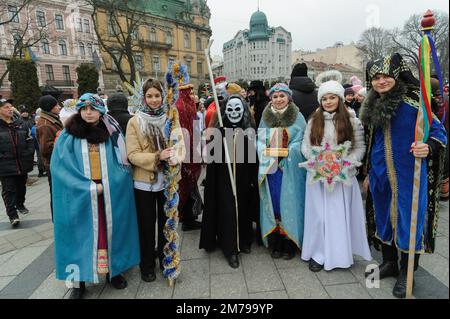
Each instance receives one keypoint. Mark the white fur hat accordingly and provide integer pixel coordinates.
(331, 87)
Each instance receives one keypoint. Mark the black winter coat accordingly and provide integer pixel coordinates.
(122, 117)
(304, 93)
(16, 149)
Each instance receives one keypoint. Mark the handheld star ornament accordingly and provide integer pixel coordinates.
(330, 165)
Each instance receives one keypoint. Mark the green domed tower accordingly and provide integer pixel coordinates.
(259, 27)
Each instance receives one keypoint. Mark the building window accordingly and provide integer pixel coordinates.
(138, 62)
(171, 60)
(199, 68)
(187, 41)
(152, 35)
(81, 49)
(40, 18)
(66, 72)
(90, 52)
(49, 72)
(113, 64)
(110, 28)
(59, 22)
(86, 26)
(62, 47)
(13, 14)
(169, 37)
(78, 26)
(17, 39)
(189, 66)
(156, 65)
(45, 46)
(199, 43)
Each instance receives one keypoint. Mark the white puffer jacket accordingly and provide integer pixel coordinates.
(358, 150)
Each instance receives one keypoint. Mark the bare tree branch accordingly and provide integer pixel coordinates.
(4, 9)
(22, 37)
(121, 39)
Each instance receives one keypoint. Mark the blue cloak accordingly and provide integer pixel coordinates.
(292, 192)
(391, 178)
(75, 207)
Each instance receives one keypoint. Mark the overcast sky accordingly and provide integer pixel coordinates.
(315, 23)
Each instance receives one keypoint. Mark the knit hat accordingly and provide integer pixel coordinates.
(22, 108)
(117, 101)
(47, 103)
(363, 92)
(348, 91)
(300, 69)
(280, 87)
(220, 79)
(92, 100)
(233, 88)
(331, 87)
(357, 83)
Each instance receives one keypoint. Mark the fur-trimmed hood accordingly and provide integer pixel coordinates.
(285, 119)
(377, 111)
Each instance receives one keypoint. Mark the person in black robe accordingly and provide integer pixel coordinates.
(222, 225)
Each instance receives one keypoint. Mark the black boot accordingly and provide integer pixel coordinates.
(118, 282)
(277, 245)
(399, 290)
(148, 277)
(233, 261)
(315, 266)
(386, 269)
(77, 293)
(191, 225)
(289, 249)
(258, 236)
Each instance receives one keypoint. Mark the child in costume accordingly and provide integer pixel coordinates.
(155, 149)
(334, 216)
(281, 183)
(93, 202)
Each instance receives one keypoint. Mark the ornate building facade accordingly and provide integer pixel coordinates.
(260, 53)
(170, 30)
(67, 40)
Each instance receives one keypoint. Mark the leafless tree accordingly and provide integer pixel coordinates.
(26, 34)
(407, 40)
(120, 40)
(5, 18)
(374, 44)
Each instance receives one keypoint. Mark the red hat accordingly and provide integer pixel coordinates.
(220, 79)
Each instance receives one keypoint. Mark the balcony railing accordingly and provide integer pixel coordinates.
(155, 44)
(59, 83)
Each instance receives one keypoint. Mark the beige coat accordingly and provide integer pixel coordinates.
(142, 153)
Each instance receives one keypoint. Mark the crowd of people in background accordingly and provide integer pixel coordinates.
(111, 172)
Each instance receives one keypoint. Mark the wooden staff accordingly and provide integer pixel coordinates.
(424, 119)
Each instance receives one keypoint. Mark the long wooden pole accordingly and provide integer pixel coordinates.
(422, 132)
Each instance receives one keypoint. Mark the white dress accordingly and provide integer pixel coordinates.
(335, 225)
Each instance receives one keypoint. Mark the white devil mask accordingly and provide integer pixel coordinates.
(234, 110)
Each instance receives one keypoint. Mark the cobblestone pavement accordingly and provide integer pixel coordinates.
(27, 268)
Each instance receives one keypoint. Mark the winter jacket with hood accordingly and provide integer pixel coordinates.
(16, 149)
(304, 94)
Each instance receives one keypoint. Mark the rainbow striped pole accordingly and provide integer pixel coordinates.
(423, 124)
